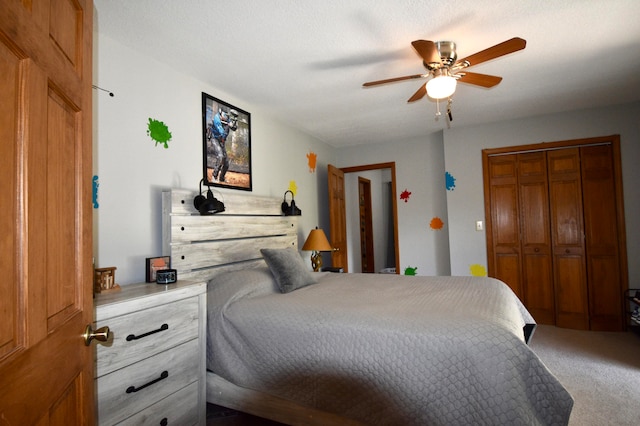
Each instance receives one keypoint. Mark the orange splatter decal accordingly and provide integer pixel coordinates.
(312, 158)
(405, 195)
(478, 270)
(436, 223)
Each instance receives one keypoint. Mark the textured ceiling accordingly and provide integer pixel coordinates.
(305, 61)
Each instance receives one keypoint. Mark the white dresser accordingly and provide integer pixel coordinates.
(152, 369)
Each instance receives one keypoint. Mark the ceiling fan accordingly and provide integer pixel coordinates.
(444, 70)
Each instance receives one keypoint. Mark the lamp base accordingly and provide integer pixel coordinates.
(316, 261)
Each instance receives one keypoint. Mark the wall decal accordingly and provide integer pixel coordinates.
(293, 187)
(436, 224)
(411, 271)
(405, 195)
(450, 181)
(478, 270)
(159, 132)
(94, 192)
(312, 159)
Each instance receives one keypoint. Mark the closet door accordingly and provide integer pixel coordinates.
(569, 268)
(535, 240)
(504, 256)
(602, 242)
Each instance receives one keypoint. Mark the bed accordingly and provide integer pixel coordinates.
(327, 348)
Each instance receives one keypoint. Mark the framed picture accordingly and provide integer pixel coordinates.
(226, 144)
(155, 264)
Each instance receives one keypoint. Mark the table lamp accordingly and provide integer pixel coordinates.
(316, 242)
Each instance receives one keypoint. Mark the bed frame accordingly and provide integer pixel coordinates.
(204, 246)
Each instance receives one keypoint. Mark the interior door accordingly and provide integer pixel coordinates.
(337, 218)
(46, 371)
(567, 236)
(503, 228)
(535, 240)
(366, 226)
(603, 256)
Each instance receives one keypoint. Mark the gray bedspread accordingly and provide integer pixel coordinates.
(385, 349)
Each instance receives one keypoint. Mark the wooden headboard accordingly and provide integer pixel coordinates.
(203, 246)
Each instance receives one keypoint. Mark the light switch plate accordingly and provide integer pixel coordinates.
(479, 225)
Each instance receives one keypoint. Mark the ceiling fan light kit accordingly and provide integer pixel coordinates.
(444, 70)
(441, 87)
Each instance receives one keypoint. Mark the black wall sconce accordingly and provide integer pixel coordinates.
(290, 210)
(209, 204)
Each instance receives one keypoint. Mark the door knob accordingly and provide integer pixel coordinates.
(101, 334)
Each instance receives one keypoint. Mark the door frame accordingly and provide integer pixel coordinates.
(394, 202)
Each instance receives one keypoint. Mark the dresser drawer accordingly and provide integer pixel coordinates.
(179, 409)
(129, 390)
(147, 332)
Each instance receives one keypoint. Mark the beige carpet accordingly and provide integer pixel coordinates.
(601, 370)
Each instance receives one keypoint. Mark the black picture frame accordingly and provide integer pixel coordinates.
(155, 264)
(226, 145)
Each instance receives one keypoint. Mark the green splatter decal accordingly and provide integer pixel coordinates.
(411, 271)
(159, 132)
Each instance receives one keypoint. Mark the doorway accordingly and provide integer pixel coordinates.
(366, 226)
(345, 232)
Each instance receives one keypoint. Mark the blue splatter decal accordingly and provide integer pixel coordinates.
(450, 181)
(94, 194)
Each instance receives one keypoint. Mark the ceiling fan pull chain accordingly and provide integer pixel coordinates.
(438, 113)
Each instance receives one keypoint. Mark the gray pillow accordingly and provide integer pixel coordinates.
(287, 267)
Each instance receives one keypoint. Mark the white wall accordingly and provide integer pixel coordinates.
(133, 171)
(463, 159)
(419, 170)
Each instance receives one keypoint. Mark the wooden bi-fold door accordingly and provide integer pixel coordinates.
(555, 229)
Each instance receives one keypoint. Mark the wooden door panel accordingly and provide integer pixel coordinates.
(507, 269)
(46, 371)
(569, 264)
(539, 296)
(505, 263)
(601, 229)
(537, 270)
(337, 218)
(571, 292)
(505, 200)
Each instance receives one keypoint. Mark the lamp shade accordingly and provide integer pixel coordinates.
(441, 87)
(317, 241)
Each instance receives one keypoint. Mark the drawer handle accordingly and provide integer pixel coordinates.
(131, 337)
(163, 375)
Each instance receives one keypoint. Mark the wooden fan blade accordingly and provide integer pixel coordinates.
(428, 51)
(496, 51)
(483, 80)
(391, 80)
(419, 94)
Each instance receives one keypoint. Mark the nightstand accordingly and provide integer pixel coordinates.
(152, 369)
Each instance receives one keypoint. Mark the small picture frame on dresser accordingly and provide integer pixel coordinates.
(155, 264)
